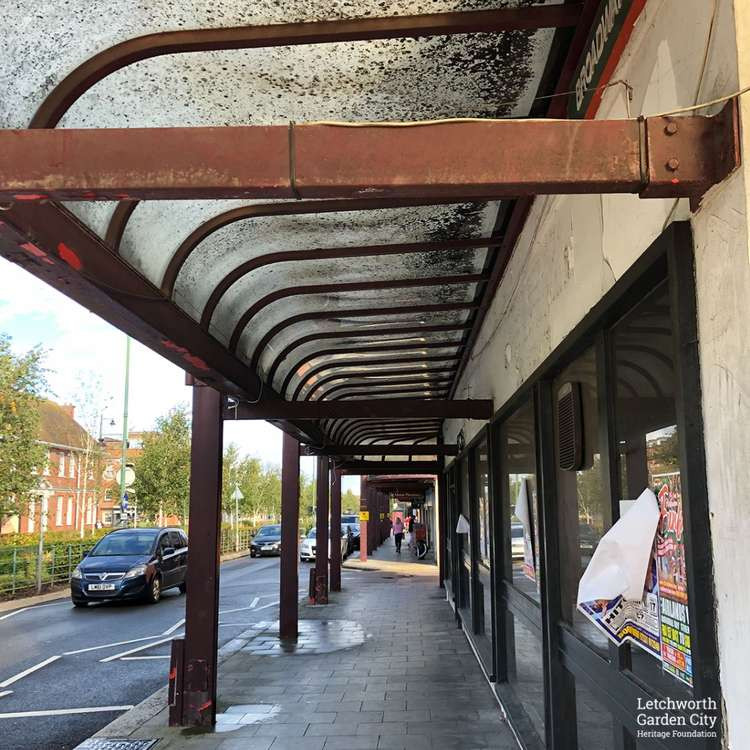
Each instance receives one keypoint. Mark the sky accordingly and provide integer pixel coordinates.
(81, 348)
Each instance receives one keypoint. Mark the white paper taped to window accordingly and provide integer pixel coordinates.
(522, 506)
(620, 561)
(462, 527)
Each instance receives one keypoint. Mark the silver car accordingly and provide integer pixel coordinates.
(307, 546)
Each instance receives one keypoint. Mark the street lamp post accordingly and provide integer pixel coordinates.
(123, 455)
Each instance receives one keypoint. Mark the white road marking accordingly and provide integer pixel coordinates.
(266, 606)
(239, 609)
(134, 650)
(27, 609)
(63, 711)
(110, 645)
(3, 693)
(174, 627)
(25, 672)
(254, 602)
(140, 658)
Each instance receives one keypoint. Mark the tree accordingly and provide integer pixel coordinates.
(162, 471)
(22, 381)
(349, 502)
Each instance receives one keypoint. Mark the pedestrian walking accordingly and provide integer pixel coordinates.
(398, 533)
(410, 531)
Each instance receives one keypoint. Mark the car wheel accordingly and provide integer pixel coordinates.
(183, 587)
(252, 553)
(79, 603)
(153, 593)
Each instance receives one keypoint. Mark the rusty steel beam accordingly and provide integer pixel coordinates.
(328, 253)
(359, 312)
(396, 408)
(288, 572)
(274, 35)
(322, 521)
(335, 577)
(200, 651)
(381, 333)
(380, 362)
(363, 350)
(383, 450)
(657, 157)
(343, 288)
(434, 390)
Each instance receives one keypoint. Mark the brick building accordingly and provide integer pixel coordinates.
(71, 487)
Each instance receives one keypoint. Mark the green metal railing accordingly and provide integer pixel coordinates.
(20, 572)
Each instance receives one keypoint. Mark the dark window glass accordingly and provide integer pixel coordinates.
(518, 446)
(464, 548)
(483, 625)
(481, 480)
(583, 508)
(128, 543)
(595, 724)
(175, 539)
(164, 542)
(648, 454)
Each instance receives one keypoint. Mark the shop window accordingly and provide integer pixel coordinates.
(595, 723)
(583, 506)
(518, 444)
(649, 457)
(464, 547)
(483, 624)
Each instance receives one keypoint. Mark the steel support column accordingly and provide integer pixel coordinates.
(441, 532)
(321, 531)
(202, 606)
(336, 530)
(288, 576)
(364, 546)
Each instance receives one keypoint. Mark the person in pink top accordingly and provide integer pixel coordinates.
(398, 532)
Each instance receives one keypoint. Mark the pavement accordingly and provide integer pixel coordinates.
(65, 673)
(382, 667)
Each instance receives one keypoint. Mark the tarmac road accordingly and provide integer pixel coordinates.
(67, 672)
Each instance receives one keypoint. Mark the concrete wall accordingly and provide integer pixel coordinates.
(573, 249)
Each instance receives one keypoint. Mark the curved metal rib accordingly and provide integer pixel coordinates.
(377, 378)
(337, 364)
(362, 312)
(357, 286)
(364, 350)
(328, 253)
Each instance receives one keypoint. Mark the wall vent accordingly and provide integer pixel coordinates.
(569, 427)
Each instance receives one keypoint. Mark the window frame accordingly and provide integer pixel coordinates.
(566, 657)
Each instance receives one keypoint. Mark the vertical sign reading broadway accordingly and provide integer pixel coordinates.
(609, 34)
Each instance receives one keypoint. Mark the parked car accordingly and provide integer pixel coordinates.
(131, 564)
(354, 539)
(267, 541)
(351, 519)
(307, 547)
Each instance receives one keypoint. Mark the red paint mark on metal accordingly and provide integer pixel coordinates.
(31, 248)
(69, 256)
(48, 261)
(195, 361)
(172, 673)
(88, 195)
(30, 197)
(675, 181)
(205, 705)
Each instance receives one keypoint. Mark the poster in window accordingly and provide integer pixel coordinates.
(672, 573)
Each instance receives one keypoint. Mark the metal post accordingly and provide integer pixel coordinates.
(441, 533)
(364, 546)
(336, 531)
(124, 452)
(321, 532)
(40, 548)
(198, 684)
(289, 574)
(15, 565)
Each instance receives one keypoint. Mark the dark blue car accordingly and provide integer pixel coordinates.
(131, 564)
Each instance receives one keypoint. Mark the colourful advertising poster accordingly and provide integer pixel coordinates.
(630, 621)
(672, 572)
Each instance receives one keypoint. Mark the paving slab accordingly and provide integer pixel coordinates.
(382, 667)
